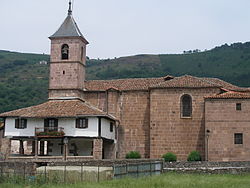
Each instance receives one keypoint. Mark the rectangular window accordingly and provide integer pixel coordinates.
(238, 106)
(20, 123)
(111, 127)
(238, 138)
(82, 123)
(51, 125)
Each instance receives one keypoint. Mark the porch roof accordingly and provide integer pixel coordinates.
(58, 108)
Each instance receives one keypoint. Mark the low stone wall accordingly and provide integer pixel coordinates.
(18, 168)
(208, 167)
(103, 163)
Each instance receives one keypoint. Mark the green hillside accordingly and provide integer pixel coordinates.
(24, 81)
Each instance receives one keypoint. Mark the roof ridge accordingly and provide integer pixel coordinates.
(127, 79)
(208, 81)
(185, 81)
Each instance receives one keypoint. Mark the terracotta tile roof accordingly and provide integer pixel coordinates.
(226, 85)
(231, 95)
(57, 108)
(186, 81)
(122, 84)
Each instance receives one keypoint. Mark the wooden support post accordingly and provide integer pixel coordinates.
(42, 148)
(36, 148)
(66, 149)
(21, 148)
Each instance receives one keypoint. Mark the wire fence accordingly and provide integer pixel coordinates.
(77, 173)
(57, 174)
(137, 170)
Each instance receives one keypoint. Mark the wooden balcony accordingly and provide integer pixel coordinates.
(49, 132)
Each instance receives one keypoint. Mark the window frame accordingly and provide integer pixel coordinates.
(238, 107)
(21, 123)
(190, 106)
(49, 126)
(111, 127)
(238, 138)
(80, 125)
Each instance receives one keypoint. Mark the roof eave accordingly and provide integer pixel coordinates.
(76, 116)
(69, 37)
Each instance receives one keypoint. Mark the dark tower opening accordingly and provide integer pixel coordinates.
(65, 51)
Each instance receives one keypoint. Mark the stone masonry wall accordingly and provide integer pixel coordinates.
(171, 133)
(223, 121)
(98, 149)
(5, 148)
(134, 125)
(97, 99)
(66, 76)
(66, 93)
(74, 44)
(132, 109)
(70, 73)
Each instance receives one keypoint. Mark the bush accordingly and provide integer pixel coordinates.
(194, 156)
(133, 155)
(169, 157)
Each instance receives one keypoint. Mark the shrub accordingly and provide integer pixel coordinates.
(194, 156)
(133, 155)
(169, 157)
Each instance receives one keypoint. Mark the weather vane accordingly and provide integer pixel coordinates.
(70, 8)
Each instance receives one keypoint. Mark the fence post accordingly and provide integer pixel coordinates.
(81, 173)
(64, 179)
(1, 171)
(137, 170)
(113, 171)
(162, 166)
(98, 175)
(45, 174)
(24, 173)
(150, 168)
(126, 169)
(15, 175)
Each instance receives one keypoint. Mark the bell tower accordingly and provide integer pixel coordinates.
(67, 61)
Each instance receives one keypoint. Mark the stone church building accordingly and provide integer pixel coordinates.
(103, 119)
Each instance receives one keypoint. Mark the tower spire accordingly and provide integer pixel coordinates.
(70, 8)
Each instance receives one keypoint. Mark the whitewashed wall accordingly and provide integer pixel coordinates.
(105, 130)
(10, 129)
(70, 130)
(67, 124)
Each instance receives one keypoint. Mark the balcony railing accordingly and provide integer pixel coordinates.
(49, 132)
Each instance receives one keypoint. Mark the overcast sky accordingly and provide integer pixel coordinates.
(117, 28)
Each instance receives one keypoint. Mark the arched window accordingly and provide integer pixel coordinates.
(186, 106)
(65, 51)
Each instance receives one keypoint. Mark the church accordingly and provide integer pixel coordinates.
(106, 119)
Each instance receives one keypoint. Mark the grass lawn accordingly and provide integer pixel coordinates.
(170, 180)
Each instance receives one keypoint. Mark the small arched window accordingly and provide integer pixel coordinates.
(65, 51)
(186, 106)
